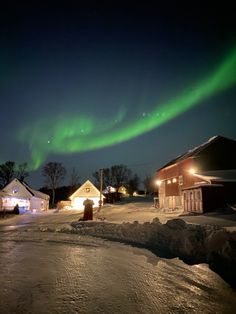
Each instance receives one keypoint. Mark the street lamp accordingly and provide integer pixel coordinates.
(101, 186)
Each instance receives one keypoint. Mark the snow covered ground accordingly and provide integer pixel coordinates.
(194, 239)
(57, 272)
(52, 263)
(142, 209)
(139, 209)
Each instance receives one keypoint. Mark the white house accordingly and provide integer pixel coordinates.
(17, 192)
(87, 190)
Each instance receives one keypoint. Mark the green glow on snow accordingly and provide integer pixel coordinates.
(70, 133)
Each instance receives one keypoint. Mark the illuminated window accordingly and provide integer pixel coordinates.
(174, 180)
(15, 189)
(168, 181)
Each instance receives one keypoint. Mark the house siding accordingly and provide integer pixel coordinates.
(20, 193)
(86, 191)
(218, 153)
(173, 180)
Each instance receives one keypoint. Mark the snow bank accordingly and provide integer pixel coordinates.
(193, 244)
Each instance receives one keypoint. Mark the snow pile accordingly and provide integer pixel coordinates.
(193, 244)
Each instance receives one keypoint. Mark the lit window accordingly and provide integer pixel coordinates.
(174, 180)
(15, 190)
(168, 181)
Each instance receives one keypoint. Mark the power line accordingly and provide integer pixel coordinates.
(142, 164)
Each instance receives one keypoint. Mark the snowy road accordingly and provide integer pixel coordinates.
(51, 272)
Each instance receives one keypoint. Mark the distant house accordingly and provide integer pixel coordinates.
(85, 191)
(202, 179)
(122, 190)
(17, 192)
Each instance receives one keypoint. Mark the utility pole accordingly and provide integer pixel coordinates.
(101, 186)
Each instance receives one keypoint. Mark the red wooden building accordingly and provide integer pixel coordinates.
(201, 179)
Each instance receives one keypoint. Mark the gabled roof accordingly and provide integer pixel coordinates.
(86, 190)
(195, 152)
(36, 193)
(4, 194)
(20, 189)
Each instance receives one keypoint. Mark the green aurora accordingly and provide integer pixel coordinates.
(70, 134)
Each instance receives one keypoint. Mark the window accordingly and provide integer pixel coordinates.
(15, 190)
(181, 181)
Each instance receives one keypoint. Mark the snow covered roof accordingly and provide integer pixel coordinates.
(86, 190)
(199, 185)
(4, 194)
(109, 189)
(194, 152)
(218, 175)
(36, 193)
(20, 189)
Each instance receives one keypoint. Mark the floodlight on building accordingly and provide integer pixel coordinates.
(192, 170)
(158, 182)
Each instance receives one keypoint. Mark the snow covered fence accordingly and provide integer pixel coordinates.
(193, 244)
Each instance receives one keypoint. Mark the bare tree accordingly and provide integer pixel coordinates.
(54, 173)
(22, 171)
(133, 184)
(107, 180)
(148, 184)
(115, 176)
(120, 175)
(96, 177)
(74, 177)
(7, 172)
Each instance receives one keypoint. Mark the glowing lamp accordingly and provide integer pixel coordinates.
(158, 182)
(192, 171)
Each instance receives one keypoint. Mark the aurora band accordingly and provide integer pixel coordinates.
(70, 134)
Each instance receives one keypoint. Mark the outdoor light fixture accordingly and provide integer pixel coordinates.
(158, 182)
(192, 171)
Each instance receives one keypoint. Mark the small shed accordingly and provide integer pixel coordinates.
(203, 198)
(28, 199)
(85, 191)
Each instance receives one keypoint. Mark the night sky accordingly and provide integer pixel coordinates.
(112, 82)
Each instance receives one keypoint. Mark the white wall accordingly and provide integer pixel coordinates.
(38, 204)
(77, 202)
(9, 203)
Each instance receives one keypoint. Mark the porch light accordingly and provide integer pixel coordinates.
(192, 170)
(158, 182)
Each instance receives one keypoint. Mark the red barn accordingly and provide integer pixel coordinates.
(202, 179)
